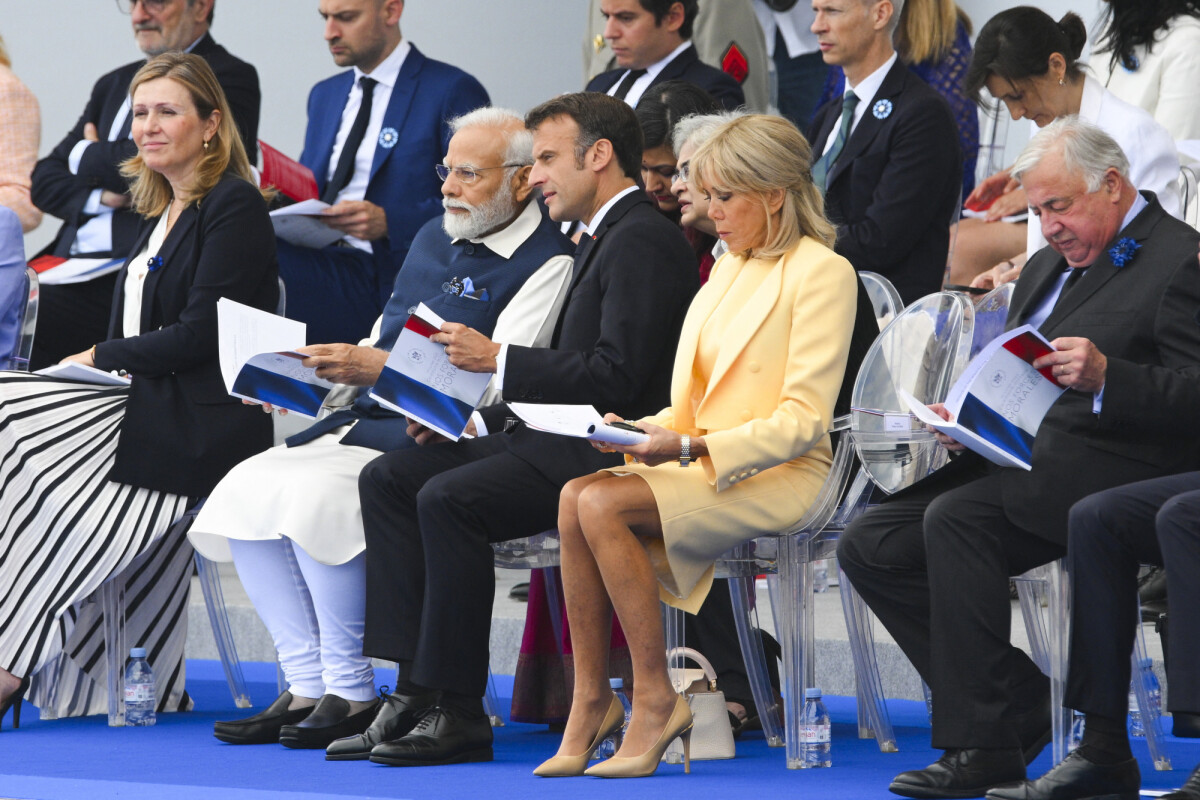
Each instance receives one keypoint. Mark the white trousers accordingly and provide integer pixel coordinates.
(314, 613)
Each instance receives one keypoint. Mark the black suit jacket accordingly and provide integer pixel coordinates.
(56, 191)
(181, 431)
(896, 185)
(614, 344)
(1143, 318)
(687, 67)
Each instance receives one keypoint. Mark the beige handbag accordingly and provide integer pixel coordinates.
(712, 737)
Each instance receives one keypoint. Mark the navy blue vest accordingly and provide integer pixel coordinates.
(432, 265)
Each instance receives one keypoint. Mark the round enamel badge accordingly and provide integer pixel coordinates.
(388, 138)
(882, 109)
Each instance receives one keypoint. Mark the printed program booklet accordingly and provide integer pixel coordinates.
(999, 401)
(419, 381)
(258, 363)
(583, 422)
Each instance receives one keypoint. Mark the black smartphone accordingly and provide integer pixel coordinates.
(625, 426)
(955, 287)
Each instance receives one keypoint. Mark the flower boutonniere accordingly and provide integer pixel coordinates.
(1123, 251)
(155, 263)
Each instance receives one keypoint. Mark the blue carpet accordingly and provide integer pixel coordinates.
(179, 759)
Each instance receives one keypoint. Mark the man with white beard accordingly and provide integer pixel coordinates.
(290, 517)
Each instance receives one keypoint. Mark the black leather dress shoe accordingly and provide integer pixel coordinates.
(961, 773)
(330, 719)
(263, 727)
(1185, 724)
(397, 715)
(1190, 789)
(441, 737)
(1076, 778)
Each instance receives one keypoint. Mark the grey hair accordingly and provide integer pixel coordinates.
(518, 138)
(697, 129)
(1086, 151)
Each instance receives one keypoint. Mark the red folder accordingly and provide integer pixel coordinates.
(43, 263)
(286, 174)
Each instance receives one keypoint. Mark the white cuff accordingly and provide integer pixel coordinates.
(480, 426)
(501, 360)
(77, 155)
(93, 205)
(1098, 401)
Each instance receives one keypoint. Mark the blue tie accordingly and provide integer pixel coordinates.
(825, 162)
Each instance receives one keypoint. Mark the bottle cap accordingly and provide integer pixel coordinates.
(616, 683)
(137, 652)
(810, 694)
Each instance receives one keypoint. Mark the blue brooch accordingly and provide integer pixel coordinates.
(388, 138)
(155, 263)
(1122, 252)
(882, 109)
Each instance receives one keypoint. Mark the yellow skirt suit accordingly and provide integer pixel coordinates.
(761, 358)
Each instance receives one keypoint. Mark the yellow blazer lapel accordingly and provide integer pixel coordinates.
(699, 311)
(746, 325)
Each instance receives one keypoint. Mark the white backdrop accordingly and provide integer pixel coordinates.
(523, 51)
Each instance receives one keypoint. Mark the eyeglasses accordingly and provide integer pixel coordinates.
(467, 174)
(681, 174)
(151, 6)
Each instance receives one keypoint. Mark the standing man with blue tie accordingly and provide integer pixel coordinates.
(889, 158)
(374, 134)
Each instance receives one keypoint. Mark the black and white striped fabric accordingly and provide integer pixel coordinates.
(66, 530)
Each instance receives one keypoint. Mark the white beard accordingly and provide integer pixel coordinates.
(480, 219)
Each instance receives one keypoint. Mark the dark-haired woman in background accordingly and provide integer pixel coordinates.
(92, 477)
(1031, 63)
(1148, 54)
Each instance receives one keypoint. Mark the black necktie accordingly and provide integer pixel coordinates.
(345, 165)
(1072, 280)
(627, 83)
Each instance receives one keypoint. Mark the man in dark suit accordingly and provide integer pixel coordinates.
(650, 41)
(374, 135)
(1109, 536)
(886, 153)
(934, 561)
(79, 181)
(431, 514)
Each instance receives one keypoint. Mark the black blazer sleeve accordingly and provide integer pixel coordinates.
(225, 248)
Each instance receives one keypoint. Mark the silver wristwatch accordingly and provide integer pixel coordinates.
(685, 450)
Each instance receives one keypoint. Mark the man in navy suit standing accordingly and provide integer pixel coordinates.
(374, 135)
(886, 152)
(651, 43)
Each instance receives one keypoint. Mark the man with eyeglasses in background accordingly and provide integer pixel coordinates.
(372, 133)
(80, 183)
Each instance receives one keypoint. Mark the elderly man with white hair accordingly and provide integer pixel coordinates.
(290, 518)
(1116, 293)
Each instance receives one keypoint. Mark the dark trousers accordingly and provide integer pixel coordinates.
(430, 515)
(332, 290)
(71, 318)
(801, 81)
(934, 567)
(1111, 534)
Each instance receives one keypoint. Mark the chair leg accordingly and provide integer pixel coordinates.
(770, 712)
(1151, 718)
(218, 618)
(1044, 594)
(874, 720)
(491, 703)
(112, 600)
(796, 638)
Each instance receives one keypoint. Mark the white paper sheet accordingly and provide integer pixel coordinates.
(300, 223)
(74, 371)
(78, 270)
(582, 422)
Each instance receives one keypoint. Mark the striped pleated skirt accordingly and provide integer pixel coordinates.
(66, 530)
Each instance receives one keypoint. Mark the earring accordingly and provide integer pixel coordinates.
(1062, 82)
(206, 144)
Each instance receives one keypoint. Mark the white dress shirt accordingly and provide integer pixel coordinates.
(643, 83)
(865, 91)
(135, 279)
(795, 25)
(385, 75)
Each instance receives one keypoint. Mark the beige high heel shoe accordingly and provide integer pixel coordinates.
(679, 725)
(570, 766)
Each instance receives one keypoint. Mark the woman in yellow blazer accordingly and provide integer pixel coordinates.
(761, 359)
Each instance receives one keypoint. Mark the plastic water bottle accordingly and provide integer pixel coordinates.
(1136, 728)
(821, 575)
(612, 743)
(139, 689)
(814, 732)
(1077, 721)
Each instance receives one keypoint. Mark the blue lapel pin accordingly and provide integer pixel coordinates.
(388, 138)
(155, 263)
(882, 109)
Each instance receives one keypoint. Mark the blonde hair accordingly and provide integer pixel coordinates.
(927, 30)
(758, 154)
(151, 191)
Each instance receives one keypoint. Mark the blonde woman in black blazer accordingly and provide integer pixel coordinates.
(91, 478)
